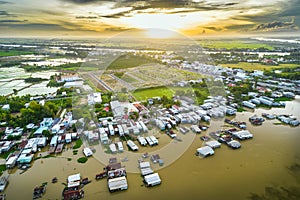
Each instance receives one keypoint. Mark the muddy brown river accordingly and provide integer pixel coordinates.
(262, 162)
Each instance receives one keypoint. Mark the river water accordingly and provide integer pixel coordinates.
(229, 174)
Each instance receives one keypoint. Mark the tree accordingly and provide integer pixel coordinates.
(46, 133)
(15, 91)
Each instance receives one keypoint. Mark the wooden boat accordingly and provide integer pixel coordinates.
(71, 194)
(85, 181)
(39, 191)
(101, 175)
(54, 180)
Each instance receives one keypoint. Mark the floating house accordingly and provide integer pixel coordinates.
(195, 129)
(145, 168)
(205, 151)
(243, 134)
(149, 141)
(25, 158)
(39, 131)
(87, 152)
(125, 129)
(3, 181)
(104, 138)
(256, 101)
(142, 140)
(11, 162)
(120, 129)
(213, 144)
(265, 101)
(68, 138)
(120, 146)
(152, 180)
(154, 139)
(53, 141)
(230, 110)
(248, 104)
(144, 127)
(119, 183)
(234, 144)
(113, 148)
(132, 145)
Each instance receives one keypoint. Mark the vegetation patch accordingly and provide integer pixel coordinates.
(240, 109)
(4, 53)
(82, 160)
(78, 144)
(4, 155)
(2, 168)
(34, 80)
(258, 66)
(146, 93)
(129, 61)
(283, 99)
(75, 152)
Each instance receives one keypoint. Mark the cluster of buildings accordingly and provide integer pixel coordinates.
(26, 149)
(150, 178)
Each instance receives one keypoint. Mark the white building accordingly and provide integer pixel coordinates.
(152, 179)
(94, 98)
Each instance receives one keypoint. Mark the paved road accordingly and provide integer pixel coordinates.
(100, 82)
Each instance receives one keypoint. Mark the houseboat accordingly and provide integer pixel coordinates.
(213, 144)
(3, 181)
(152, 180)
(205, 151)
(119, 183)
(132, 145)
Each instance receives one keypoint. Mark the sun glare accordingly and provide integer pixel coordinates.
(159, 33)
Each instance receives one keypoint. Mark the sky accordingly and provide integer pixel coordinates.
(188, 17)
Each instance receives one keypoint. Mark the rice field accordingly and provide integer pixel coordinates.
(258, 66)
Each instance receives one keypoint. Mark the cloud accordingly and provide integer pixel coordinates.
(4, 13)
(118, 15)
(5, 2)
(12, 21)
(275, 26)
(33, 26)
(86, 17)
(213, 28)
(83, 1)
(117, 29)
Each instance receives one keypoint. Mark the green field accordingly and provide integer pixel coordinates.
(198, 94)
(4, 53)
(144, 94)
(129, 61)
(233, 44)
(258, 66)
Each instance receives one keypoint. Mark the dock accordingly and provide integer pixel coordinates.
(59, 148)
(52, 149)
(4, 181)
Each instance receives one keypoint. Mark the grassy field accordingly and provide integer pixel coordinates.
(129, 79)
(232, 44)
(258, 66)
(4, 53)
(144, 94)
(129, 61)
